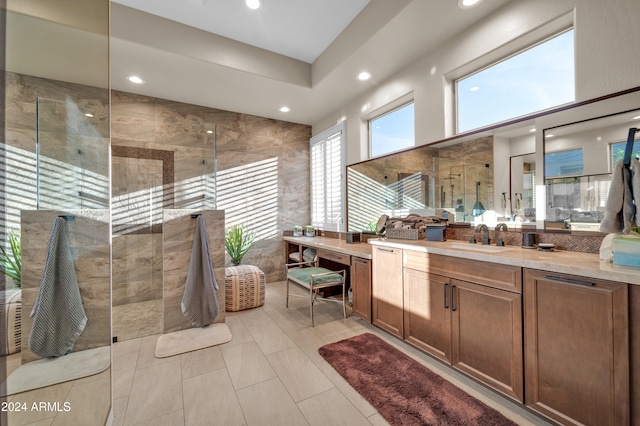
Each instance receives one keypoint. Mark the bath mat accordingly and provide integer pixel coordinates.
(402, 390)
(52, 371)
(192, 339)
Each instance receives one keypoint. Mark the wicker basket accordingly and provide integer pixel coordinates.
(405, 234)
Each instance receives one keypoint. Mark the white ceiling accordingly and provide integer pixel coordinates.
(300, 29)
(210, 68)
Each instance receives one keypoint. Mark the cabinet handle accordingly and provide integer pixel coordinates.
(453, 300)
(567, 280)
(387, 250)
(445, 296)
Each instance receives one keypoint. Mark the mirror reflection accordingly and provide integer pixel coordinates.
(56, 345)
(455, 177)
(521, 203)
(578, 160)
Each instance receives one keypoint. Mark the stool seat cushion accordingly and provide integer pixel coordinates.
(304, 275)
(244, 287)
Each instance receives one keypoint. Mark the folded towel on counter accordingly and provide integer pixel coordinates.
(309, 255)
(199, 302)
(58, 314)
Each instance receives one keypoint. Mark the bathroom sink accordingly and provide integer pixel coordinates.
(478, 247)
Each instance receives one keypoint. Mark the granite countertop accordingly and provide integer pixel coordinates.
(362, 250)
(562, 261)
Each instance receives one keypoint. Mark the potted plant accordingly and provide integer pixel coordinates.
(238, 240)
(11, 262)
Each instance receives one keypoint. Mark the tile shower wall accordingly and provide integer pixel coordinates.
(74, 148)
(89, 240)
(262, 182)
(178, 233)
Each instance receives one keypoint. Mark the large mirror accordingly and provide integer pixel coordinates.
(456, 178)
(56, 339)
(578, 160)
(518, 189)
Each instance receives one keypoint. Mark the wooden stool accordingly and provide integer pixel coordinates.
(244, 287)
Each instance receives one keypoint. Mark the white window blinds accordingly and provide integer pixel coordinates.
(327, 179)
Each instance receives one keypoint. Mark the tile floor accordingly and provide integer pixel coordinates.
(270, 373)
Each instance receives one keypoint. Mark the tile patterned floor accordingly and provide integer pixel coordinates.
(270, 373)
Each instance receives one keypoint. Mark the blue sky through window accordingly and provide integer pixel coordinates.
(393, 131)
(536, 79)
(563, 163)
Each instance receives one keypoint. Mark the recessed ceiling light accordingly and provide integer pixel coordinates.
(209, 131)
(88, 115)
(533, 130)
(135, 79)
(253, 4)
(466, 4)
(549, 136)
(284, 109)
(474, 89)
(637, 117)
(364, 76)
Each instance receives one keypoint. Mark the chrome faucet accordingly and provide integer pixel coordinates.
(485, 233)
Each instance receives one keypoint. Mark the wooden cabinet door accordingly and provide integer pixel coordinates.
(426, 313)
(387, 298)
(486, 330)
(576, 348)
(361, 287)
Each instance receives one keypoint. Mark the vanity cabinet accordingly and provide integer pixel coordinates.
(577, 348)
(361, 287)
(386, 291)
(486, 336)
(472, 326)
(427, 317)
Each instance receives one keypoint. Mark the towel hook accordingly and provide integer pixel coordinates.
(67, 217)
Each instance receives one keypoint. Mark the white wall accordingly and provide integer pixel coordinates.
(606, 35)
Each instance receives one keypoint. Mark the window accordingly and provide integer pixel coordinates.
(327, 179)
(533, 80)
(617, 151)
(563, 163)
(392, 131)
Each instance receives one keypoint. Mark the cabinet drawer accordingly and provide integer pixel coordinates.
(345, 259)
(416, 260)
(495, 275)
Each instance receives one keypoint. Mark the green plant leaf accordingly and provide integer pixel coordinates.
(237, 242)
(11, 262)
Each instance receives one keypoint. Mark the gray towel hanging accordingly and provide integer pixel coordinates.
(58, 314)
(199, 302)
